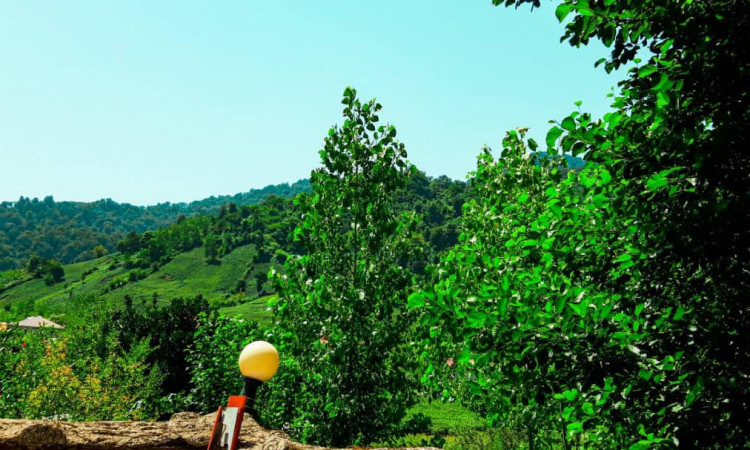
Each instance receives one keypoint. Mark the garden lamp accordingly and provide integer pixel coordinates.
(259, 361)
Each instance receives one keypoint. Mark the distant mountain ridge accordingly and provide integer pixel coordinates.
(70, 231)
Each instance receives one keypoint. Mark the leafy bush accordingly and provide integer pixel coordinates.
(18, 369)
(48, 269)
(170, 330)
(80, 387)
(212, 359)
(54, 374)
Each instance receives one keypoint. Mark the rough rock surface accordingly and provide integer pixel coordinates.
(183, 431)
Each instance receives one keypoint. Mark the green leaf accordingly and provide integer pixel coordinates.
(571, 394)
(657, 181)
(568, 124)
(477, 319)
(600, 200)
(552, 135)
(662, 99)
(605, 310)
(575, 427)
(679, 313)
(578, 308)
(563, 10)
(560, 304)
(664, 83)
(416, 300)
(646, 71)
(624, 257)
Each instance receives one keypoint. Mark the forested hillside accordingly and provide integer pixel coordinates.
(183, 247)
(77, 231)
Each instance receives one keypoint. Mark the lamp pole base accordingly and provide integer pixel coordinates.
(249, 390)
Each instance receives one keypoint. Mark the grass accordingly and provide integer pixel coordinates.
(454, 427)
(446, 417)
(256, 310)
(449, 426)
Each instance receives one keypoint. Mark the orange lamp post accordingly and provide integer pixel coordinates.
(258, 362)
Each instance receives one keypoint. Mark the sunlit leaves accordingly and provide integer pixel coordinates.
(553, 134)
(646, 70)
(562, 11)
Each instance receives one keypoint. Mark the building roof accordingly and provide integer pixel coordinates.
(37, 322)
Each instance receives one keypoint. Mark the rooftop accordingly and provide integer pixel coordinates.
(38, 322)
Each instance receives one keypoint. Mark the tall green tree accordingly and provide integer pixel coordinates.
(611, 304)
(342, 325)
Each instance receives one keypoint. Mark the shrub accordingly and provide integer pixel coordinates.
(212, 359)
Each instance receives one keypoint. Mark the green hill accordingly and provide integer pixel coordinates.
(186, 275)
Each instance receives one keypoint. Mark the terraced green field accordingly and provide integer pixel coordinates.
(187, 276)
(35, 296)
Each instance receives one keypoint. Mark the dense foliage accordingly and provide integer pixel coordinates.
(48, 269)
(212, 359)
(114, 363)
(76, 374)
(341, 326)
(607, 306)
(169, 330)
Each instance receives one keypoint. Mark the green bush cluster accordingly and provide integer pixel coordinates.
(117, 363)
(60, 375)
(213, 359)
(48, 269)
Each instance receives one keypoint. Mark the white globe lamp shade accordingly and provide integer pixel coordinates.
(259, 360)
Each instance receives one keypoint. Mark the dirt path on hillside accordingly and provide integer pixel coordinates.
(183, 431)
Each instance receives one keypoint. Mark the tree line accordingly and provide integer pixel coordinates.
(71, 231)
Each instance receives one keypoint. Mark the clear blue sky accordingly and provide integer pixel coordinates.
(153, 101)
